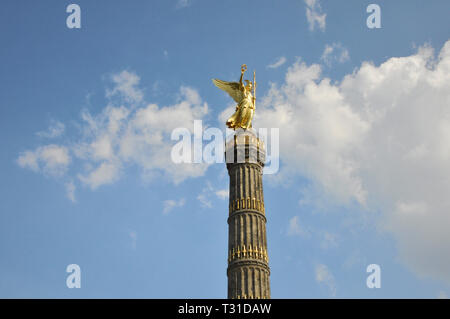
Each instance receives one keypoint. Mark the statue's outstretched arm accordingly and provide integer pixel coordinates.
(241, 83)
(243, 69)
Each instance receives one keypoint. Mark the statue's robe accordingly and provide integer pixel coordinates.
(242, 118)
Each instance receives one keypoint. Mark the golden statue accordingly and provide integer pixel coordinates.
(242, 94)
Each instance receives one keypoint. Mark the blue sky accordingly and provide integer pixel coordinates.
(363, 117)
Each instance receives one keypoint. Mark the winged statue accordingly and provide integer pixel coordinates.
(244, 97)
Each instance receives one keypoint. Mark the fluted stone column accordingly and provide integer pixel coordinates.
(248, 263)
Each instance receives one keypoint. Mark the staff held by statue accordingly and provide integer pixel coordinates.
(254, 89)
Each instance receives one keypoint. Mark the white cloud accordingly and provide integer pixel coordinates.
(183, 4)
(50, 159)
(294, 228)
(317, 128)
(125, 85)
(314, 15)
(279, 62)
(146, 137)
(209, 193)
(329, 240)
(170, 204)
(29, 159)
(326, 278)
(335, 53)
(55, 158)
(120, 136)
(222, 194)
(326, 239)
(56, 129)
(380, 138)
(204, 200)
(70, 191)
(205, 196)
(134, 237)
(105, 173)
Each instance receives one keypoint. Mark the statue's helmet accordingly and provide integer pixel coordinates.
(249, 84)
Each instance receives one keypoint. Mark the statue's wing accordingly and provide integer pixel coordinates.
(232, 88)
